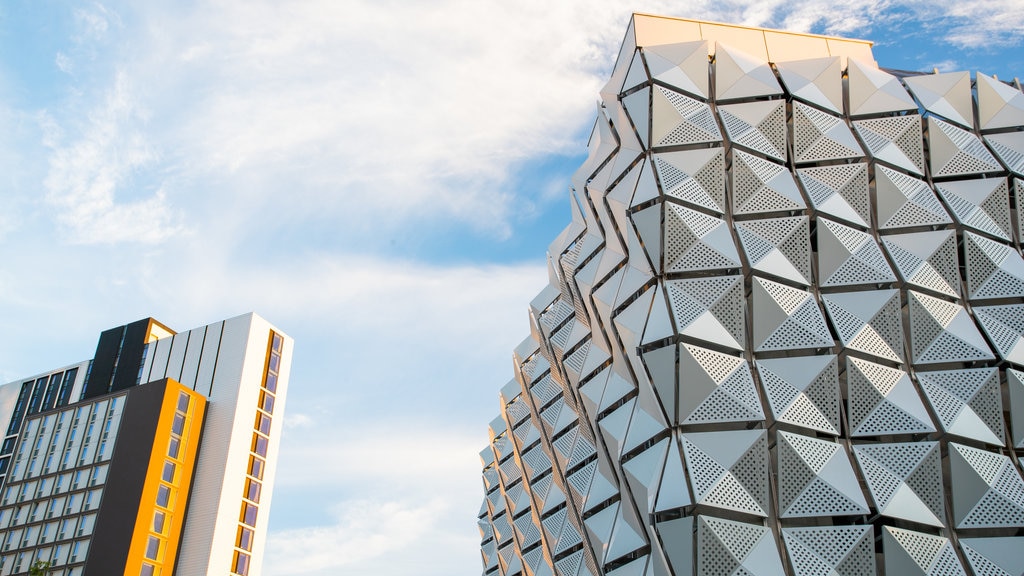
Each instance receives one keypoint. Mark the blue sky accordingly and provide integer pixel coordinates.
(378, 178)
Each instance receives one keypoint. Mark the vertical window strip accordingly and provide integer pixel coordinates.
(249, 511)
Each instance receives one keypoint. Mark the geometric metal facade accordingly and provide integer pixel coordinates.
(784, 331)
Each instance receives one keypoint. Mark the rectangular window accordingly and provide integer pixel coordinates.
(179, 425)
(275, 361)
(256, 467)
(158, 522)
(153, 548)
(248, 515)
(271, 383)
(173, 449)
(147, 570)
(168, 473)
(252, 490)
(259, 445)
(241, 564)
(263, 423)
(267, 402)
(276, 342)
(244, 540)
(163, 496)
(183, 400)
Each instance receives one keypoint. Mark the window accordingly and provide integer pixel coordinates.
(263, 423)
(241, 564)
(252, 490)
(168, 473)
(267, 402)
(256, 467)
(153, 548)
(163, 496)
(248, 515)
(259, 444)
(179, 424)
(244, 540)
(158, 522)
(174, 447)
(183, 401)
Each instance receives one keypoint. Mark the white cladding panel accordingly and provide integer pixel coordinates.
(192, 356)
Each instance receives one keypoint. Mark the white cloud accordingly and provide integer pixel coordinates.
(87, 175)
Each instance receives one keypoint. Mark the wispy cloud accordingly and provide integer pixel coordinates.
(90, 175)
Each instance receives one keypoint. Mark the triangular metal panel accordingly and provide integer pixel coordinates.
(872, 91)
(927, 259)
(981, 204)
(894, 139)
(648, 227)
(710, 309)
(957, 152)
(1010, 149)
(882, 401)
(638, 107)
(868, 321)
(684, 66)
(847, 256)
(738, 548)
(828, 550)
(968, 402)
(840, 191)
(994, 270)
(678, 119)
(905, 480)
(818, 135)
(948, 95)
(677, 536)
(942, 331)
(779, 246)
(818, 81)
(672, 492)
(694, 176)
(987, 490)
(787, 318)
(758, 125)
(637, 74)
(1004, 325)
(715, 388)
(910, 553)
(729, 469)
(906, 201)
(997, 556)
(643, 474)
(740, 75)
(803, 390)
(816, 479)
(695, 241)
(762, 186)
(999, 105)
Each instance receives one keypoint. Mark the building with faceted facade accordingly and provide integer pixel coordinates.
(155, 458)
(784, 330)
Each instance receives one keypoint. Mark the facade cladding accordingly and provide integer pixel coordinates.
(784, 332)
(155, 458)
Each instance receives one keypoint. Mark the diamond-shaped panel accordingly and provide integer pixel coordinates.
(883, 400)
(816, 479)
(906, 201)
(927, 259)
(758, 125)
(803, 390)
(942, 331)
(729, 469)
(948, 95)
(980, 204)
(694, 176)
(715, 387)
(847, 256)
(710, 309)
(1010, 149)
(818, 81)
(818, 135)
(678, 119)
(894, 139)
(827, 550)
(787, 318)
(736, 548)
(868, 321)
(916, 554)
(1004, 325)
(779, 246)
(762, 186)
(968, 402)
(957, 152)
(696, 241)
(988, 492)
(840, 191)
(994, 270)
(905, 480)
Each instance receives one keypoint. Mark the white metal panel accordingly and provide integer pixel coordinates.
(190, 364)
(208, 361)
(179, 344)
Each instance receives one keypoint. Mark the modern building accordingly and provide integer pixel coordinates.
(784, 331)
(155, 458)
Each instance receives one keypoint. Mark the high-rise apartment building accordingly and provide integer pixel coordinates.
(784, 331)
(155, 458)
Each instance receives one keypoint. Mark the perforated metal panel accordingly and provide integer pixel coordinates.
(769, 251)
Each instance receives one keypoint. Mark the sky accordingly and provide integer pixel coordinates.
(380, 179)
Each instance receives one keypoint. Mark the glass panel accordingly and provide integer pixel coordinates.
(252, 490)
(158, 522)
(172, 450)
(153, 548)
(256, 467)
(259, 444)
(179, 424)
(241, 564)
(244, 538)
(263, 423)
(267, 402)
(183, 400)
(168, 473)
(248, 515)
(163, 496)
(271, 383)
(276, 346)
